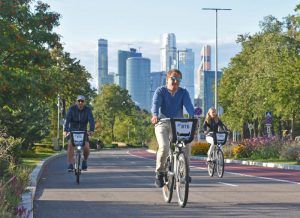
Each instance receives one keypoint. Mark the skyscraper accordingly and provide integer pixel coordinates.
(168, 52)
(205, 65)
(137, 81)
(207, 90)
(122, 57)
(157, 79)
(103, 77)
(186, 66)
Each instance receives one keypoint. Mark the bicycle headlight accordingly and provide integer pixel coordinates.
(78, 147)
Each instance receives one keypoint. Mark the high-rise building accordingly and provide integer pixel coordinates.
(137, 81)
(186, 66)
(168, 52)
(207, 90)
(122, 57)
(157, 79)
(205, 65)
(103, 77)
(102, 62)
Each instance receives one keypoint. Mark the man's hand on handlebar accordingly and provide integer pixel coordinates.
(66, 133)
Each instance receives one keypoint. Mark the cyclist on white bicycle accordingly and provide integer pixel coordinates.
(168, 102)
(212, 124)
(77, 119)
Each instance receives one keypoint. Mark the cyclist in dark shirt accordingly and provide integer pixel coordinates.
(77, 119)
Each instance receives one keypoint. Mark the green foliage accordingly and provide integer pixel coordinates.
(33, 70)
(290, 151)
(113, 103)
(153, 145)
(264, 76)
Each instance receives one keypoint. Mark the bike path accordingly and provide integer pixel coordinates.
(120, 183)
(284, 175)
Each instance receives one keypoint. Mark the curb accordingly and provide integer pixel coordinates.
(249, 163)
(28, 195)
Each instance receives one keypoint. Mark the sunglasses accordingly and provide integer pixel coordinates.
(174, 78)
(81, 101)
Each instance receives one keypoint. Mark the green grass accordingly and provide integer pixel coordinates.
(32, 158)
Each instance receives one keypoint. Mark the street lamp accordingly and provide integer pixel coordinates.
(58, 118)
(216, 52)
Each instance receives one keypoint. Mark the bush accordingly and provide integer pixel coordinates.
(199, 148)
(290, 151)
(153, 144)
(10, 197)
(228, 150)
(93, 143)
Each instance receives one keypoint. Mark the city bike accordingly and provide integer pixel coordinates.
(78, 139)
(216, 164)
(177, 175)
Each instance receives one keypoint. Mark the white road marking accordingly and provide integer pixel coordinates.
(223, 183)
(266, 178)
(138, 156)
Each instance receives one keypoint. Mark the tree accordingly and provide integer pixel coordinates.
(34, 69)
(264, 76)
(111, 103)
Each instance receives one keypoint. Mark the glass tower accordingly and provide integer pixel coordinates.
(122, 57)
(137, 81)
(102, 62)
(168, 52)
(186, 66)
(207, 91)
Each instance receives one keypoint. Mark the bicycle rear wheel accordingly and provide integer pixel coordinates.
(220, 163)
(169, 182)
(182, 180)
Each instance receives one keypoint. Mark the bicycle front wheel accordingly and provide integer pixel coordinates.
(77, 168)
(169, 182)
(182, 180)
(211, 168)
(220, 163)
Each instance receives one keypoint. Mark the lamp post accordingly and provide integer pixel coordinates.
(216, 52)
(58, 118)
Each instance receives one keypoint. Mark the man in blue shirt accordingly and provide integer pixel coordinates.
(168, 102)
(77, 119)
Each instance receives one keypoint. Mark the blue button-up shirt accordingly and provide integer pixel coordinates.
(166, 105)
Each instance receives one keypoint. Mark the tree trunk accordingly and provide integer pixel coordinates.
(292, 126)
(112, 129)
(279, 128)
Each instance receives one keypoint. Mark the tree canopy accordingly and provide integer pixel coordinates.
(264, 76)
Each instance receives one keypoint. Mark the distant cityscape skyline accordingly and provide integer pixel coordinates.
(81, 25)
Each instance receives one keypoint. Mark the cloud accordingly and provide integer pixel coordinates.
(86, 52)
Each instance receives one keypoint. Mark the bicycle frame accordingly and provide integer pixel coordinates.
(177, 164)
(78, 139)
(217, 163)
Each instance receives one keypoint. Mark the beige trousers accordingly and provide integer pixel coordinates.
(163, 133)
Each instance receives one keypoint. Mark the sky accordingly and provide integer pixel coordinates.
(140, 23)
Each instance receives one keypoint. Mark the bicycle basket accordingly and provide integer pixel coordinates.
(183, 129)
(221, 138)
(78, 138)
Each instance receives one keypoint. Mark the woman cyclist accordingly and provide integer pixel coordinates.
(212, 123)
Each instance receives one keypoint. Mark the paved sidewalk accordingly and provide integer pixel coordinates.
(28, 195)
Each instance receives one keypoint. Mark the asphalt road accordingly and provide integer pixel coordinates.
(120, 183)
